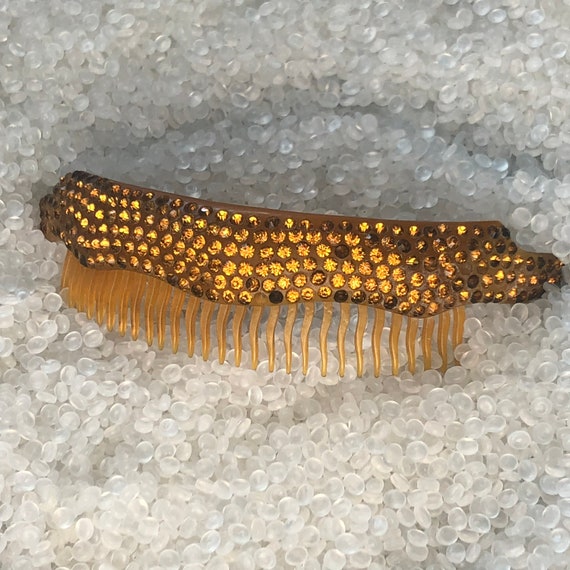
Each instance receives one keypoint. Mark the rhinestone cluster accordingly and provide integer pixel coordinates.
(234, 254)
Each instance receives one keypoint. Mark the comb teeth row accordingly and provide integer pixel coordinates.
(112, 297)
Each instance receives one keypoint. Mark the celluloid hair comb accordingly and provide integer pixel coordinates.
(155, 256)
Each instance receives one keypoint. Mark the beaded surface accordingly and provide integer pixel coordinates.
(234, 254)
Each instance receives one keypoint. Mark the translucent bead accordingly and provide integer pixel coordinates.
(334, 559)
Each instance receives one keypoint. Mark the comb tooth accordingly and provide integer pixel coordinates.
(395, 328)
(121, 304)
(427, 334)
(325, 325)
(190, 317)
(442, 337)
(379, 316)
(205, 320)
(253, 332)
(358, 338)
(89, 295)
(221, 327)
(342, 326)
(104, 285)
(66, 271)
(305, 328)
(458, 323)
(236, 330)
(140, 286)
(178, 299)
(164, 293)
(411, 335)
(111, 308)
(149, 306)
(288, 334)
(270, 332)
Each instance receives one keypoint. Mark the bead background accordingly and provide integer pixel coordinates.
(113, 455)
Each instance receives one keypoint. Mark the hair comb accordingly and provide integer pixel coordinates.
(137, 255)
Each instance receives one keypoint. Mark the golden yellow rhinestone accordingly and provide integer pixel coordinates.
(303, 249)
(365, 268)
(283, 282)
(379, 227)
(292, 296)
(247, 251)
(352, 239)
(318, 278)
(307, 294)
(268, 285)
(414, 230)
(330, 264)
(229, 268)
(325, 292)
(289, 223)
(236, 283)
(147, 265)
(278, 237)
(376, 255)
(500, 275)
(385, 286)
(293, 265)
(154, 250)
(231, 249)
(299, 279)
(355, 282)
(262, 269)
(202, 259)
(334, 238)
(357, 253)
(237, 219)
(370, 285)
(199, 242)
(295, 237)
(323, 250)
(347, 267)
(398, 274)
(313, 237)
(266, 252)
(433, 280)
(219, 282)
(284, 252)
(401, 290)
(225, 232)
(309, 264)
(363, 226)
(222, 215)
(245, 297)
(338, 280)
(382, 271)
(275, 268)
(394, 259)
(260, 237)
(215, 247)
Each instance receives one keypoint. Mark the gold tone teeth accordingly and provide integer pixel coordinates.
(110, 296)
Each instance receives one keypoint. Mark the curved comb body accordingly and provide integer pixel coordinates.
(236, 256)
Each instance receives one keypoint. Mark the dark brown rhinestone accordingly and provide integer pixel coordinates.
(345, 226)
(358, 297)
(252, 284)
(473, 281)
(340, 296)
(429, 231)
(473, 245)
(341, 251)
(476, 297)
(391, 302)
(404, 245)
(458, 284)
(276, 297)
(371, 239)
(272, 223)
(197, 290)
(493, 231)
(327, 226)
(430, 263)
(506, 232)
(500, 246)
